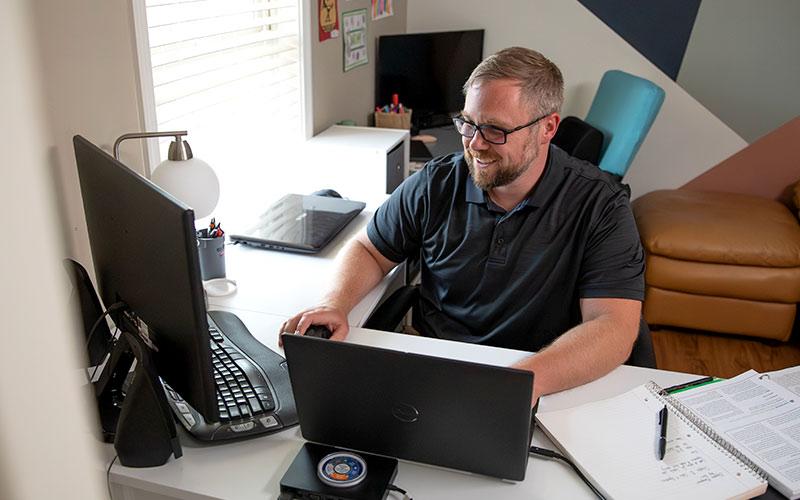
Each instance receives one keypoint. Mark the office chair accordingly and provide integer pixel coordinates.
(623, 110)
(387, 317)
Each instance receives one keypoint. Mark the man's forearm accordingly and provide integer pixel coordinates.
(357, 272)
(585, 352)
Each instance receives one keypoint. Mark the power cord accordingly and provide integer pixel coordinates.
(113, 308)
(108, 476)
(544, 452)
(116, 306)
(403, 492)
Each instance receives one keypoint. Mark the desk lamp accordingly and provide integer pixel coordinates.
(182, 175)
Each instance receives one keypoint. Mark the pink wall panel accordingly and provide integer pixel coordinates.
(766, 168)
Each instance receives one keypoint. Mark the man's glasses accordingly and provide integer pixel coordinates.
(490, 133)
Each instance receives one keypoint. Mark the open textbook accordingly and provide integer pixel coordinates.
(613, 442)
(759, 414)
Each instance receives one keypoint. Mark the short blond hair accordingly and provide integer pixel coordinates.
(540, 79)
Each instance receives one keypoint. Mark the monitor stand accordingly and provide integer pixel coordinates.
(138, 420)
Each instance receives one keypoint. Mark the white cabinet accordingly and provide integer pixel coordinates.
(360, 163)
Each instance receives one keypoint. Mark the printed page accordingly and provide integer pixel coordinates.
(788, 378)
(614, 442)
(760, 418)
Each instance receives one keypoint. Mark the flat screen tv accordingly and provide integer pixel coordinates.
(427, 72)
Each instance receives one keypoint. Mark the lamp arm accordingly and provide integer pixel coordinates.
(140, 135)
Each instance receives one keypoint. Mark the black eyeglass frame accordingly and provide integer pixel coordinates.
(480, 128)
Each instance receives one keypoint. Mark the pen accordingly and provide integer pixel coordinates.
(687, 385)
(662, 433)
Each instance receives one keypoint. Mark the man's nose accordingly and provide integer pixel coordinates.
(477, 142)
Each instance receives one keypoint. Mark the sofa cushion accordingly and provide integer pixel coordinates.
(715, 227)
(719, 314)
(767, 284)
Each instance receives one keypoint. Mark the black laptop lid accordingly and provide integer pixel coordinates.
(443, 412)
(300, 223)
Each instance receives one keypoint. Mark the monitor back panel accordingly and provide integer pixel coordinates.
(443, 412)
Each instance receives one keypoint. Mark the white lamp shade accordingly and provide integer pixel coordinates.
(192, 181)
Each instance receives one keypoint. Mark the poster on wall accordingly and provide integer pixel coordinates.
(328, 20)
(382, 8)
(355, 38)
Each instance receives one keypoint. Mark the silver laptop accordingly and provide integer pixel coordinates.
(444, 412)
(300, 223)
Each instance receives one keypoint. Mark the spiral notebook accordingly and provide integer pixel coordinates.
(614, 443)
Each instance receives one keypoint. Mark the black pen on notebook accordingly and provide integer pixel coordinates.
(662, 433)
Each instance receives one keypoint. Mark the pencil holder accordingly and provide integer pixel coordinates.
(211, 252)
(393, 120)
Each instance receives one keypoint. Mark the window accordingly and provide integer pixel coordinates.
(228, 72)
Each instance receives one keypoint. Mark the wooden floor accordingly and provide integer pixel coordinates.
(721, 355)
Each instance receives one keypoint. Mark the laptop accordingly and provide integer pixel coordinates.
(455, 414)
(300, 223)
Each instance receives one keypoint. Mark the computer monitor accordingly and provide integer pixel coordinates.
(145, 254)
(427, 71)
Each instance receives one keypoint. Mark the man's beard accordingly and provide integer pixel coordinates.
(501, 173)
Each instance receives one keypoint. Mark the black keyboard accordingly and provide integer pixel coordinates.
(252, 384)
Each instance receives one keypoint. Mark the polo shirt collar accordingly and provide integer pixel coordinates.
(544, 188)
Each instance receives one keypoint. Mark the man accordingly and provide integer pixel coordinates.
(521, 245)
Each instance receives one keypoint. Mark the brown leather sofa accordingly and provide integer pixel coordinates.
(722, 262)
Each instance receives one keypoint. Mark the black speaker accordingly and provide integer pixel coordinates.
(85, 300)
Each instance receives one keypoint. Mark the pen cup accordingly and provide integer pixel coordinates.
(212, 257)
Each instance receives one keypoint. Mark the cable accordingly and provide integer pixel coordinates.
(108, 476)
(392, 487)
(114, 307)
(544, 452)
(115, 336)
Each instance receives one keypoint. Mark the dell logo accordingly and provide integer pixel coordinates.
(405, 413)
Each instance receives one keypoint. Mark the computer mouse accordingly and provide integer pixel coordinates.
(330, 193)
(318, 331)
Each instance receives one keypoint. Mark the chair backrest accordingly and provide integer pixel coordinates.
(579, 139)
(623, 109)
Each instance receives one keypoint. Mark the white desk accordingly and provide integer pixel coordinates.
(251, 469)
(285, 283)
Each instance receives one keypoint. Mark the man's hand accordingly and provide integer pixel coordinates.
(331, 317)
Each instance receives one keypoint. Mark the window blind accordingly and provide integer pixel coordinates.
(220, 63)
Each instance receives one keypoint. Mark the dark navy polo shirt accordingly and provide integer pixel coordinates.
(511, 279)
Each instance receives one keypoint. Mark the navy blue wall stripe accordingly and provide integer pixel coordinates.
(658, 29)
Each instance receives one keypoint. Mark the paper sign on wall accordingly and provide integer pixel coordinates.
(382, 8)
(328, 20)
(355, 38)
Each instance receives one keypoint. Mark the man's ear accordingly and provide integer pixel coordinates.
(549, 127)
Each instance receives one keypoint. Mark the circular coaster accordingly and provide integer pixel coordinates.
(342, 469)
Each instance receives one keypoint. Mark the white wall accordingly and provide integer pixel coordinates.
(743, 62)
(686, 139)
(46, 446)
(89, 76)
(347, 96)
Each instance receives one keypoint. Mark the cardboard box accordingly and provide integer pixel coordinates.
(393, 120)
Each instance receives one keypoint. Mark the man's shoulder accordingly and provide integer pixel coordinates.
(446, 171)
(443, 165)
(584, 176)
